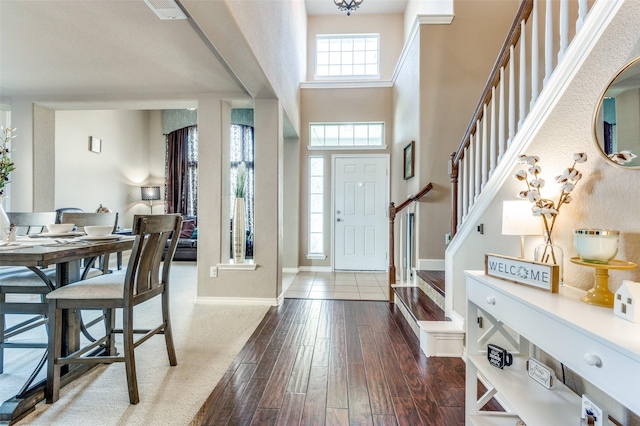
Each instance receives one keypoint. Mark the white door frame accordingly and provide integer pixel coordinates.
(333, 187)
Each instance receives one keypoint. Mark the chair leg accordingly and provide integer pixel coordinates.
(109, 325)
(52, 388)
(129, 356)
(168, 333)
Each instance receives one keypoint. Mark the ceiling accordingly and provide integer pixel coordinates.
(116, 49)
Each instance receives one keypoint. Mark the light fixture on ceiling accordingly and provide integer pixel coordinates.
(166, 9)
(348, 5)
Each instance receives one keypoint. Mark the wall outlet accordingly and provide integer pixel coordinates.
(213, 272)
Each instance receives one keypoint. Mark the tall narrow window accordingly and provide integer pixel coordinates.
(316, 214)
(347, 55)
(181, 171)
(241, 151)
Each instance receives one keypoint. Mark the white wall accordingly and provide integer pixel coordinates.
(113, 177)
(390, 28)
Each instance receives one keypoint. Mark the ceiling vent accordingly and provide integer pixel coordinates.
(166, 9)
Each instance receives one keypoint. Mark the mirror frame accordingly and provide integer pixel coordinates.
(598, 113)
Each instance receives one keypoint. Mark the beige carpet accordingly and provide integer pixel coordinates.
(207, 337)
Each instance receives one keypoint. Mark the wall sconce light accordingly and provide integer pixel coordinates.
(517, 219)
(151, 194)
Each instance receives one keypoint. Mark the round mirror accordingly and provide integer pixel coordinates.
(617, 119)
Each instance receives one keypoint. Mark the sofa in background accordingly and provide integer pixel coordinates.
(187, 249)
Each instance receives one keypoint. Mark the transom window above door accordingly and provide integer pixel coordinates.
(347, 55)
(346, 135)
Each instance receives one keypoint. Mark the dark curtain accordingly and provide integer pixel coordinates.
(182, 171)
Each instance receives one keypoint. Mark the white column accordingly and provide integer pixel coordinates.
(522, 85)
(512, 96)
(548, 41)
(501, 118)
(564, 28)
(535, 54)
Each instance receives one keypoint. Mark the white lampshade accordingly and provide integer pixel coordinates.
(517, 219)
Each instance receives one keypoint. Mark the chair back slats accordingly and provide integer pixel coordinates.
(90, 219)
(143, 273)
(31, 222)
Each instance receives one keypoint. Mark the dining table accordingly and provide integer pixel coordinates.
(66, 253)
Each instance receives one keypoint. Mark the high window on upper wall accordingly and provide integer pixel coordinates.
(347, 55)
(346, 135)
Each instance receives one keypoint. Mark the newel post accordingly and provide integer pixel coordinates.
(392, 266)
(453, 174)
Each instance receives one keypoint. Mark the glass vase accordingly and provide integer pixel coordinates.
(552, 254)
(239, 231)
(4, 220)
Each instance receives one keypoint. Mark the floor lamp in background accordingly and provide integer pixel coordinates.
(517, 219)
(151, 194)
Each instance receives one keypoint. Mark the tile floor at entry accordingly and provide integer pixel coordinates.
(339, 285)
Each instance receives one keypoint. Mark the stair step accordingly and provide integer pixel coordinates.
(432, 283)
(438, 335)
(435, 279)
(421, 307)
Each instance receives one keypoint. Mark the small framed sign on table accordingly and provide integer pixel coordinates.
(543, 276)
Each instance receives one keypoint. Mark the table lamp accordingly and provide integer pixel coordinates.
(517, 219)
(150, 193)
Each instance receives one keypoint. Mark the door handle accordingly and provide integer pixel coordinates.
(338, 220)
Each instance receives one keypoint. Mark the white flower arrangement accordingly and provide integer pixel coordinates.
(544, 207)
(622, 157)
(6, 165)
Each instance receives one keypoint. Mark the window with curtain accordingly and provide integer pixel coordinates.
(241, 151)
(181, 191)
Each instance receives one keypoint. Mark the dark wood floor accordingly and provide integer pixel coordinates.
(336, 363)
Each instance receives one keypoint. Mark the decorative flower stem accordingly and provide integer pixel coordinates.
(544, 207)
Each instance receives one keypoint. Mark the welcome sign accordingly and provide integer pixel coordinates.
(535, 274)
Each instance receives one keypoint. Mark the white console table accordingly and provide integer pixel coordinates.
(590, 340)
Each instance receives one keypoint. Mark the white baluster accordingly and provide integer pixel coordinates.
(461, 179)
(465, 182)
(472, 172)
(493, 154)
(548, 42)
(485, 147)
(522, 86)
(582, 14)
(501, 138)
(564, 28)
(512, 96)
(535, 54)
(478, 157)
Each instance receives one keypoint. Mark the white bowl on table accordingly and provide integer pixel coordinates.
(60, 228)
(98, 230)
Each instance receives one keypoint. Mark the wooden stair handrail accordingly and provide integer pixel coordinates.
(523, 14)
(393, 210)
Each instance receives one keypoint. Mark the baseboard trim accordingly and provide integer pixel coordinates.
(239, 301)
(430, 265)
(315, 269)
(290, 270)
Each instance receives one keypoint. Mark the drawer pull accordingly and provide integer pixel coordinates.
(491, 300)
(593, 360)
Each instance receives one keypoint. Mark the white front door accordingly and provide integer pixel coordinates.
(361, 226)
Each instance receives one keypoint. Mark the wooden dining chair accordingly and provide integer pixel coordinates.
(81, 219)
(21, 284)
(147, 276)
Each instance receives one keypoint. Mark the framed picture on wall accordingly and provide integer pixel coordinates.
(409, 160)
(95, 144)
